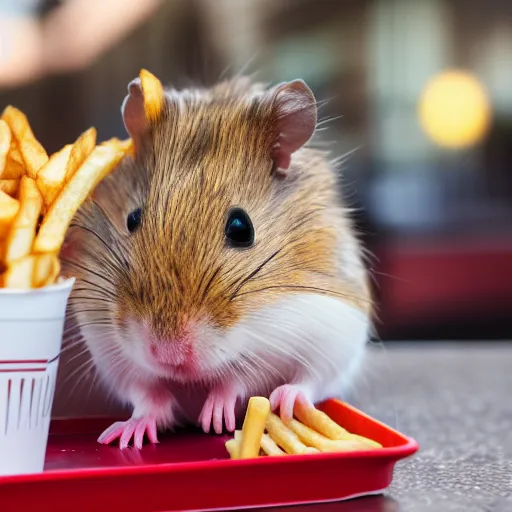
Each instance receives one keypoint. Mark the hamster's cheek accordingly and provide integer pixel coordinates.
(306, 334)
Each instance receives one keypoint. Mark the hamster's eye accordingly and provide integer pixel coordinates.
(134, 219)
(239, 229)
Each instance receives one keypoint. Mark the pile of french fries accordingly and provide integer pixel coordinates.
(39, 195)
(310, 431)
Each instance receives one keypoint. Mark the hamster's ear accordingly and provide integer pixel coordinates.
(132, 110)
(296, 120)
(142, 105)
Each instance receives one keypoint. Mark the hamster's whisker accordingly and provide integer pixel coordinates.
(287, 272)
(83, 379)
(86, 365)
(105, 262)
(209, 284)
(123, 264)
(68, 344)
(286, 354)
(71, 328)
(93, 383)
(82, 287)
(279, 328)
(345, 156)
(81, 301)
(268, 369)
(87, 271)
(71, 336)
(77, 355)
(96, 287)
(304, 341)
(247, 372)
(327, 120)
(96, 323)
(301, 287)
(93, 310)
(254, 273)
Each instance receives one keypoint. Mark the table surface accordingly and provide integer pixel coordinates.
(455, 400)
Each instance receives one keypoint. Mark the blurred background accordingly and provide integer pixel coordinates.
(419, 112)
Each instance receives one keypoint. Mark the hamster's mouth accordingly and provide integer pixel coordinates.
(186, 371)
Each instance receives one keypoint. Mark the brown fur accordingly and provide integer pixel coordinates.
(209, 152)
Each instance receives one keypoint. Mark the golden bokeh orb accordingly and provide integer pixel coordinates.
(454, 110)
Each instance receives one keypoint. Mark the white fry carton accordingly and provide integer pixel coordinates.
(31, 326)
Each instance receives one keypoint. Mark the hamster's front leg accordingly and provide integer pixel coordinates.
(153, 409)
(219, 408)
(284, 397)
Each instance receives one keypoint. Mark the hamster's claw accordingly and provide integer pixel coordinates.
(125, 430)
(284, 398)
(219, 406)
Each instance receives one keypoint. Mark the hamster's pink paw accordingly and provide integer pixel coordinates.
(219, 406)
(133, 428)
(284, 398)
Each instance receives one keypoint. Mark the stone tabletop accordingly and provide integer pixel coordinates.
(457, 402)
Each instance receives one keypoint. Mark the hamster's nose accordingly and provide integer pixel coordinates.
(170, 352)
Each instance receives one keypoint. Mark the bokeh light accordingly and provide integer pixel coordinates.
(454, 110)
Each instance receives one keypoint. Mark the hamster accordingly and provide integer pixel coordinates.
(218, 262)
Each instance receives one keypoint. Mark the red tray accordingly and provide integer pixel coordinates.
(191, 471)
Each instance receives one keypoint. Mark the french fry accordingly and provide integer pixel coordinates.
(124, 145)
(46, 270)
(35, 189)
(5, 144)
(10, 187)
(14, 167)
(127, 146)
(33, 154)
(153, 93)
(298, 438)
(23, 229)
(8, 210)
(319, 421)
(19, 273)
(284, 436)
(56, 222)
(258, 410)
(269, 446)
(50, 177)
(82, 148)
(233, 448)
(364, 440)
(313, 439)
